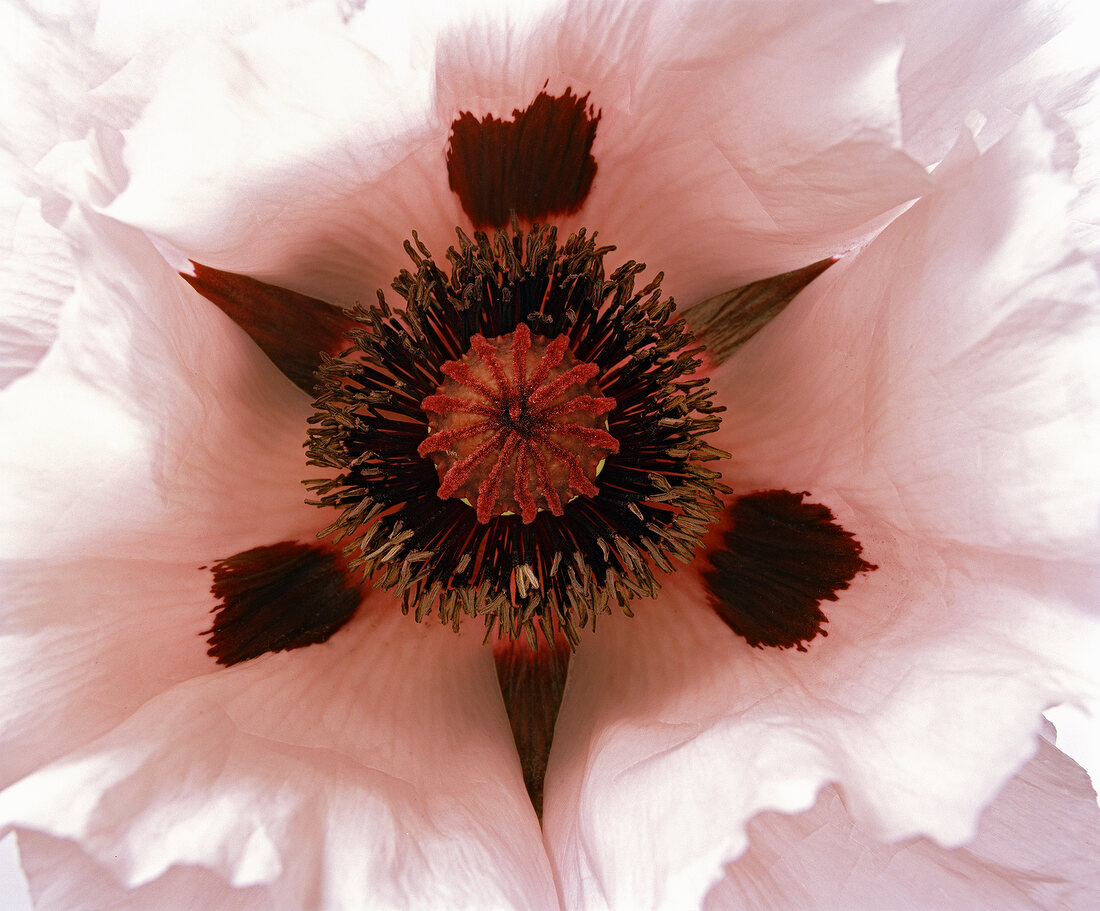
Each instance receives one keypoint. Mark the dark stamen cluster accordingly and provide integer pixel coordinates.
(555, 573)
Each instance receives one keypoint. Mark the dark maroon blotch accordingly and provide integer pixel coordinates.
(536, 165)
(780, 559)
(278, 597)
(532, 683)
(292, 329)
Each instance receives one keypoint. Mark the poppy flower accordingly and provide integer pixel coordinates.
(848, 546)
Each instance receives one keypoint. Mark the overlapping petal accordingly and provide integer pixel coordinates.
(154, 429)
(374, 771)
(718, 161)
(695, 161)
(154, 438)
(35, 277)
(923, 391)
(1034, 849)
(68, 69)
(332, 161)
(61, 876)
(944, 370)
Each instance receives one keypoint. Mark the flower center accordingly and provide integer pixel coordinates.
(515, 427)
(563, 367)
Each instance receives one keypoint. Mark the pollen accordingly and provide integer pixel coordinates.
(518, 426)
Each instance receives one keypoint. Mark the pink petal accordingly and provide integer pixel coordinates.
(984, 64)
(155, 428)
(85, 643)
(911, 703)
(700, 172)
(938, 378)
(938, 394)
(734, 141)
(351, 162)
(376, 770)
(1034, 849)
(13, 882)
(63, 877)
(35, 277)
(65, 69)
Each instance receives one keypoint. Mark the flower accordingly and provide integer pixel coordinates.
(932, 390)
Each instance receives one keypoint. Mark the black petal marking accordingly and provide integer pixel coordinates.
(780, 559)
(724, 323)
(292, 329)
(532, 683)
(279, 597)
(536, 165)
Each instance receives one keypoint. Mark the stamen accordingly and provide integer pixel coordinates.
(461, 437)
(524, 426)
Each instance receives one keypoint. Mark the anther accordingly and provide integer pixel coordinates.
(517, 426)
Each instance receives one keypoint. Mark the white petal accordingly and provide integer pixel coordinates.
(62, 877)
(944, 380)
(984, 63)
(1034, 849)
(154, 30)
(84, 644)
(376, 770)
(69, 65)
(67, 68)
(735, 140)
(35, 277)
(350, 161)
(938, 396)
(1078, 735)
(47, 65)
(154, 428)
(917, 710)
(699, 170)
(40, 78)
(13, 882)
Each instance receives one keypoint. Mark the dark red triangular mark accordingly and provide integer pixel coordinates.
(536, 165)
(532, 684)
(278, 597)
(780, 559)
(291, 328)
(724, 323)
